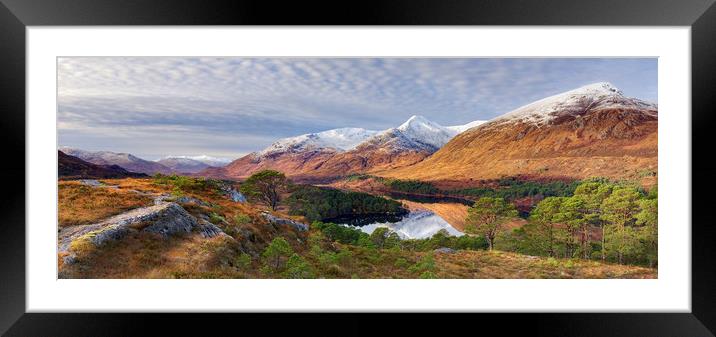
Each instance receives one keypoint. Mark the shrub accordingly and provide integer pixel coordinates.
(275, 254)
(427, 275)
(297, 267)
(340, 233)
(426, 264)
(401, 262)
(243, 261)
(216, 218)
(242, 219)
(183, 184)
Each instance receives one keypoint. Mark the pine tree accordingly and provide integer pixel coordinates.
(488, 215)
(619, 210)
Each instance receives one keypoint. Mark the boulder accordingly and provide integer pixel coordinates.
(208, 229)
(445, 250)
(164, 218)
(283, 221)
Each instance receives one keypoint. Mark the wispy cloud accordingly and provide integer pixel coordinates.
(158, 106)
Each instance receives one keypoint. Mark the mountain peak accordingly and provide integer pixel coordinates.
(342, 139)
(599, 88)
(415, 120)
(595, 96)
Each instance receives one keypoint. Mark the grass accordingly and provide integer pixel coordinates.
(145, 255)
(80, 205)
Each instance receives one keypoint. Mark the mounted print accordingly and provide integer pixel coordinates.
(357, 168)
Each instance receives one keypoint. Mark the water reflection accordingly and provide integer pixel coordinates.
(417, 224)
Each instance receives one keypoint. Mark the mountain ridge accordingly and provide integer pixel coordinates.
(127, 161)
(591, 131)
(343, 151)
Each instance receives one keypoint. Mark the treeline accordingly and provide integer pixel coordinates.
(411, 186)
(601, 220)
(520, 189)
(316, 203)
(508, 188)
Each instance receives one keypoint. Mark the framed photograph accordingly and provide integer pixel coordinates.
(489, 163)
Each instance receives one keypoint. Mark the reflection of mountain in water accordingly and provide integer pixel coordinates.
(416, 225)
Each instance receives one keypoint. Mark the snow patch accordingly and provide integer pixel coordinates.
(208, 160)
(343, 139)
(595, 96)
(461, 128)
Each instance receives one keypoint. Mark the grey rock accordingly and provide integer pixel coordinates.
(172, 220)
(90, 182)
(445, 250)
(191, 200)
(233, 194)
(236, 196)
(69, 259)
(283, 221)
(208, 229)
(165, 218)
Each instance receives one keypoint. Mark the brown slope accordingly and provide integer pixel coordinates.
(70, 167)
(615, 143)
(290, 163)
(322, 164)
(318, 165)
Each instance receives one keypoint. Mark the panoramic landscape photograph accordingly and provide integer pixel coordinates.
(357, 168)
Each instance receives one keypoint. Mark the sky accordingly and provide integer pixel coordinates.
(155, 107)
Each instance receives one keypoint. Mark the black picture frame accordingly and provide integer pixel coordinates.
(16, 15)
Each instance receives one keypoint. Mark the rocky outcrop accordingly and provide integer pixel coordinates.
(233, 194)
(163, 218)
(283, 221)
(208, 229)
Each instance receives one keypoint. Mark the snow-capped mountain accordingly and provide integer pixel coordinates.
(126, 161)
(342, 139)
(346, 150)
(183, 165)
(591, 131)
(208, 160)
(597, 96)
(417, 133)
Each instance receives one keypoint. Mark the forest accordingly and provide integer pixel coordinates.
(317, 203)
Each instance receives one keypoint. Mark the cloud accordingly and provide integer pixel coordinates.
(175, 104)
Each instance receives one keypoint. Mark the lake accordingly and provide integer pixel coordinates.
(417, 224)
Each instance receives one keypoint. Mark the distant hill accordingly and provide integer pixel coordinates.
(125, 160)
(71, 167)
(183, 165)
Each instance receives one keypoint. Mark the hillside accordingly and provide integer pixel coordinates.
(70, 167)
(180, 227)
(587, 132)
